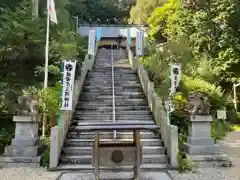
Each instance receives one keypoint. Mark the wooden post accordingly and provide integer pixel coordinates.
(96, 155)
(136, 138)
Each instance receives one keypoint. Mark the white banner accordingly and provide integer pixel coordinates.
(175, 77)
(91, 42)
(68, 84)
(129, 38)
(52, 11)
(139, 43)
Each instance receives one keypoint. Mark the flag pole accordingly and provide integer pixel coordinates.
(46, 67)
(46, 48)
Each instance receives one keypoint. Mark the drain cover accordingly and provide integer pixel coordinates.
(117, 156)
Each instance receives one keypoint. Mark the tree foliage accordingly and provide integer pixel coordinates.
(141, 11)
(22, 48)
(99, 11)
(211, 32)
(203, 36)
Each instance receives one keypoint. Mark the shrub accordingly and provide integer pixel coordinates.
(179, 116)
(6, 131)
(219, 129)
(5, 138)
(49, 102)
(214, 93)
(46, 155)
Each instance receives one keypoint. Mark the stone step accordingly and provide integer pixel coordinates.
(130, 112)
(94, 122)
(117, 100)
(110, 91)
(109, 84)
(117, 86)
(108, 101)
(109, 135)
(117, 103)
(117, 83)
(86, 159)
(101, 97)
(75, 123)
(108, 74)
(103, 56)
(116, 69)
(94, 103)
(100, 81)
(109, 79)
(110, 87)
(89, 142)
(110, 108)
(87, 150)
(107, 98)
(100, 117)
(129, 94)
(104, 69)
(82, 167)
(117, 72)
(103, 65)
(120, 72)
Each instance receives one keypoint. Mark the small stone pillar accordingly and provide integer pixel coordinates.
(24, 149)
(200, 147)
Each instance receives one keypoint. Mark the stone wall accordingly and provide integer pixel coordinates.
(169, 133)
(59, 132)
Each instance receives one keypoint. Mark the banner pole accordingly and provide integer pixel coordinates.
(61, 89)
(46, 71)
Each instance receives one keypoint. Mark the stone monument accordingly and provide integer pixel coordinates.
(25, 146)
(200, 147)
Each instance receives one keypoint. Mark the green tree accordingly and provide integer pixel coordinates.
(99, 11)
(211, 31)
(142, 10)
(22, 49)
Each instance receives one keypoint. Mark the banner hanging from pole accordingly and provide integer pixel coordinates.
(68, 84)
(99, 33)
(175, 77)
(91, 42)
(129, 39)
(52, 11)
(139, 43)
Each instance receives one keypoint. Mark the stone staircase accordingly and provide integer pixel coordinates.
(95, 105)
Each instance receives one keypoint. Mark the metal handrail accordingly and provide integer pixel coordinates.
(113, 94)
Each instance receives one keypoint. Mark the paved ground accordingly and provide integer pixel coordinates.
(27, 174)
(115, 176)
(42, 174)
(208, 174)
(231, 147)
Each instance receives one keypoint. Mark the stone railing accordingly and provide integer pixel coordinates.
(59, 132)
(169, 133)
(131, 59)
